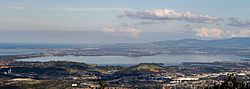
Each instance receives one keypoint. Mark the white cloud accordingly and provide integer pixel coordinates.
(129, 32)
(220, 33)
(149, 22)
(168, 14)
(242, 33)
(209, 32)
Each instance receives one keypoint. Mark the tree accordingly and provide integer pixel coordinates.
(102, 84)
(231, 82)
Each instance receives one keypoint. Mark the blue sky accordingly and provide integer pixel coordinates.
(115, 21)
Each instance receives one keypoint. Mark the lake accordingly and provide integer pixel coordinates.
(122, 60)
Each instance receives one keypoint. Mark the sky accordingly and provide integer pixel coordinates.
(121, 21)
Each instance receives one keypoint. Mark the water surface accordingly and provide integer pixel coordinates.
(121, 60)
(4, 52)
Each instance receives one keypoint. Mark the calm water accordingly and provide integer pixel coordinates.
(18, 51)
(121, 60)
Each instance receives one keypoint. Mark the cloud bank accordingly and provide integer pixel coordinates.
(129, 32)
(242, 33)
(218, 33)
(168, 14)
(209, 32)
(237, 22)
